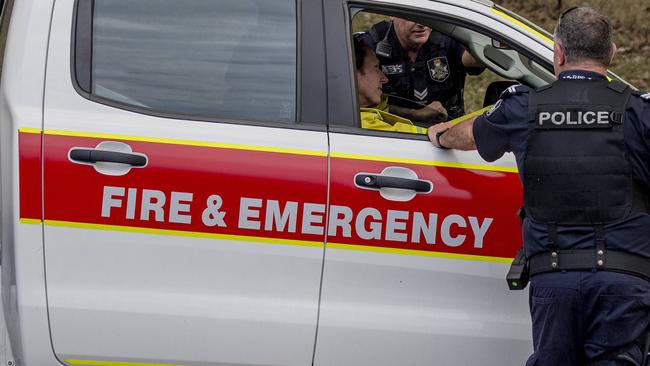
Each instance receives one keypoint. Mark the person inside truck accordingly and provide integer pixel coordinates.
(426, 70)
(369, 89)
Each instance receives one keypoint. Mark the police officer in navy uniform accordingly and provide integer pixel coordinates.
(423, 67)
(582, 146)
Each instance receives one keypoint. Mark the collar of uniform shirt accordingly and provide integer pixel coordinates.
(580, 75)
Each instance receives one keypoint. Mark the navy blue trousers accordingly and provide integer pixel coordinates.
(588, 318)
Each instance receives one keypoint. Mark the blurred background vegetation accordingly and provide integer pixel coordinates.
(630, 19)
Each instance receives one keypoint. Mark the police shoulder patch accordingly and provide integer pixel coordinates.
(494, 108)
(643, 95)
(514, 90)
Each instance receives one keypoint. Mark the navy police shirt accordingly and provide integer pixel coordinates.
(505, 129)
(436, 74)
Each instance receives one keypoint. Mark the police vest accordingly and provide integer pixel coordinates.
(576, 172)
(575, 166)
(435, 75)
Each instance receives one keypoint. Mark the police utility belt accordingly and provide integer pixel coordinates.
(575, 260)
(576, 173)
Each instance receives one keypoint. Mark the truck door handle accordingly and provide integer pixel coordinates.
(96, 156)
(379, 181)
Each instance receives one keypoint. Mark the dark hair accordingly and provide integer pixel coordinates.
(585, 35)
(360, 50)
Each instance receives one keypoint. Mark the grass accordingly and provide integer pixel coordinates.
(630, 20)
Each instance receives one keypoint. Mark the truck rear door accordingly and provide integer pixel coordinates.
(184, 182)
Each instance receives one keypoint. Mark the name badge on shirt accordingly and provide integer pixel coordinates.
(392, 69)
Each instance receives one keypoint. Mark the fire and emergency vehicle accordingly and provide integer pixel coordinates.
(185, 182)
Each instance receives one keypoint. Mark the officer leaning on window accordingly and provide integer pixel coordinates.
(425, 70)
(582, 146)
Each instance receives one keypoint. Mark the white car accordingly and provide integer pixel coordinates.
(185, 182)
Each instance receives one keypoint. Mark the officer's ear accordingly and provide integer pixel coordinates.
(559, 51)
(614, 49)
(559, 56)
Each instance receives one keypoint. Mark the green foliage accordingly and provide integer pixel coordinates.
(631, 22)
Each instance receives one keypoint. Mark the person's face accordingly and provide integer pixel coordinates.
(369, 81)
(410, 34)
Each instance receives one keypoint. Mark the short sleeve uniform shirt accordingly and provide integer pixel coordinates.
(504, 129)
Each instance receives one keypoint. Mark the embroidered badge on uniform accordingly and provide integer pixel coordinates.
(438, 68)
(421, 95)
(392, 69)
(512, 89)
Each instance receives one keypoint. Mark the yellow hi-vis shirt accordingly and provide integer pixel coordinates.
(376, 119)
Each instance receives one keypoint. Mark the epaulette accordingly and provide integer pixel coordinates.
(514, 90)
(618, 86)
(378, 31)
(643, 95)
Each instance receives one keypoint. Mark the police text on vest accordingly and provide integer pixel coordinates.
(574, 118)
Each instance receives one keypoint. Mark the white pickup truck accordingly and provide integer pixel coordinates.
(182, 183)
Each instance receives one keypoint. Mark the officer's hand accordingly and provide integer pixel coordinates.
(437, 106)
(432, 113)
(435, 131)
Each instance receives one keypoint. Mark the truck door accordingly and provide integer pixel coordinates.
(184, 182)
(420, 239)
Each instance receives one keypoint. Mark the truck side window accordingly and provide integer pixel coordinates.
(231, 59)
(5, 14)
(457, 67)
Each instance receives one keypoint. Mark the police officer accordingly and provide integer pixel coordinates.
(582, 146)
(424, 68)
(369, 82)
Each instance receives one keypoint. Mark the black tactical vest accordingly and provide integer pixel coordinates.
(575, 169)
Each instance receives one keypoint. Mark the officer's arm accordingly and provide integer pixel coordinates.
(470, 62)
(453, 136)
(430, 114)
